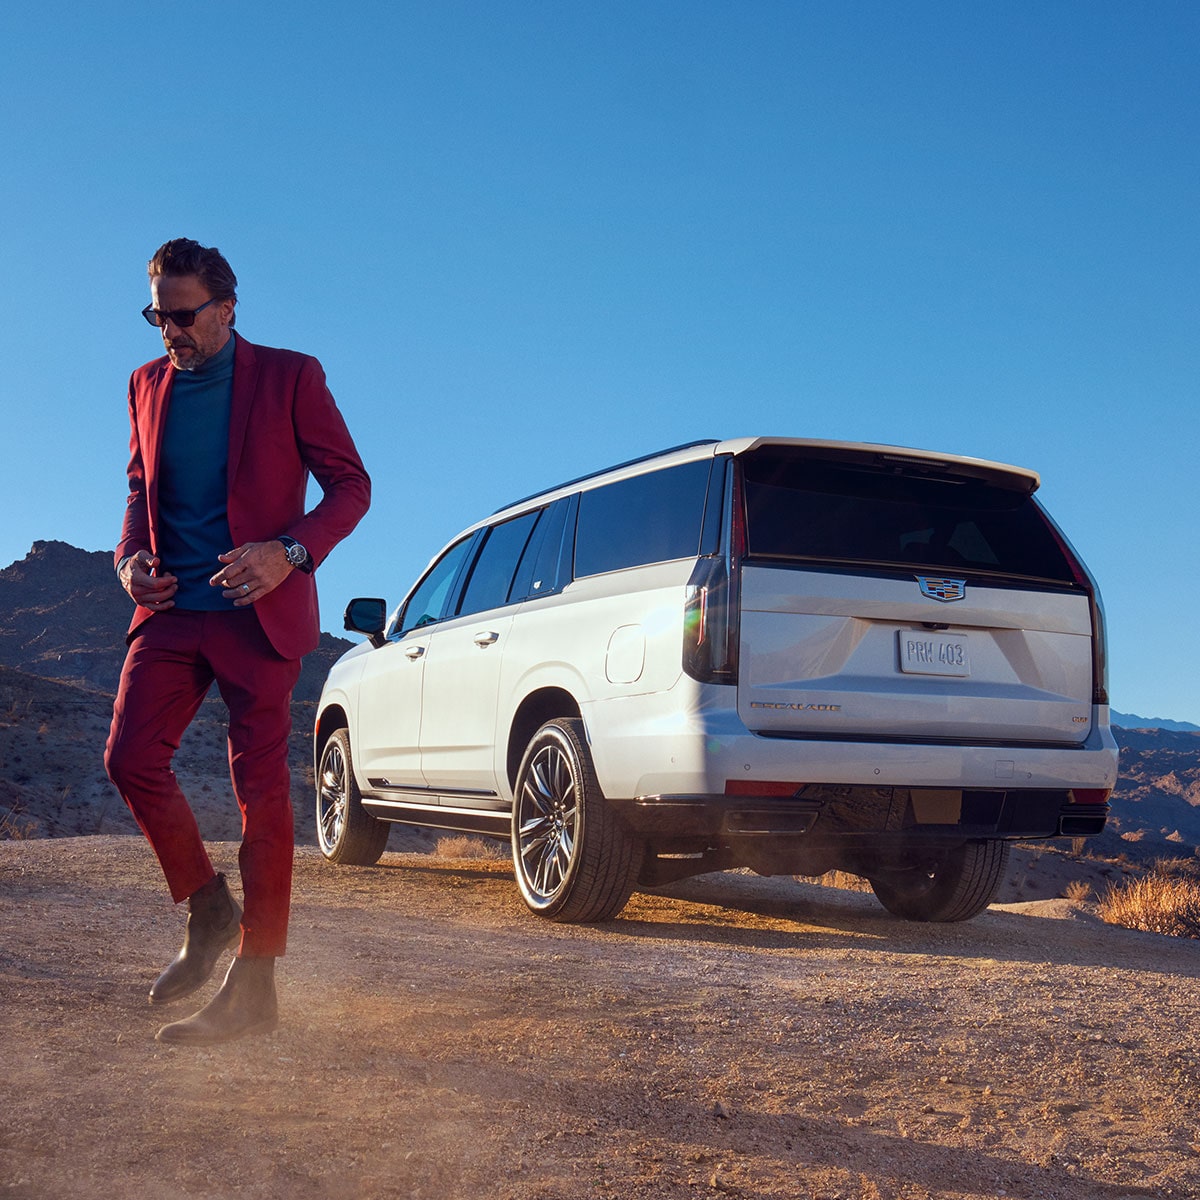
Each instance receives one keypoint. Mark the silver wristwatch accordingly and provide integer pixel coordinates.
(296, 553)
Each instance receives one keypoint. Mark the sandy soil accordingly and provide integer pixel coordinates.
(731, 1036)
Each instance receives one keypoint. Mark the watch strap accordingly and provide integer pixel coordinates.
(290, 545)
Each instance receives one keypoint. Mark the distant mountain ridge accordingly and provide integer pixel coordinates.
(1133, 721)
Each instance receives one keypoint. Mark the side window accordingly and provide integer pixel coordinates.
(428, 603)
(645, 519)
(496, 564)
(545, 565)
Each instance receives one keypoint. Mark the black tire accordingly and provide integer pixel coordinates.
(959, 887)
(575, 860)
(346, 832)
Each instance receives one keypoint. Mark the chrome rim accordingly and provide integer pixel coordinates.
(331, 798)
(549, 818)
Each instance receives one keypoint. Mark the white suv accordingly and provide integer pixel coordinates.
(771, 653)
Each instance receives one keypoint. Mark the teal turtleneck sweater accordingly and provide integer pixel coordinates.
(193, 524)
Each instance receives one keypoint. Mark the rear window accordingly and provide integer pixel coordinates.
(645, 519)
(798, 508)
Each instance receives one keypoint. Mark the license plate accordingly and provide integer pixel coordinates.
(933, 653)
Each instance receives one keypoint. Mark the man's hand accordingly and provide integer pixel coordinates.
(150, 591)
(252, 571)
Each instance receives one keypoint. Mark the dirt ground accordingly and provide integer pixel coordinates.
(731, 1036)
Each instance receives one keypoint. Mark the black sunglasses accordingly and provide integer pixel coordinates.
(183, 317)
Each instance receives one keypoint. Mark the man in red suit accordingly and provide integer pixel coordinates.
(218, 553)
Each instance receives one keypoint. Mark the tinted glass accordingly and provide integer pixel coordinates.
(543, 565)
(806, 509)
(428, 603)
(645, 519)
(496, 564)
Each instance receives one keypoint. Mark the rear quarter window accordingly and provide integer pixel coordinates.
(644, 519)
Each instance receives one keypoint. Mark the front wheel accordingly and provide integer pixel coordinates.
(346, 832)
(959, 886)
(575, 860)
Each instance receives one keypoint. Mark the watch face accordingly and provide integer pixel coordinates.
(296, 554)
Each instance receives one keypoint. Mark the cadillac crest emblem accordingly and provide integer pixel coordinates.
(937, 587)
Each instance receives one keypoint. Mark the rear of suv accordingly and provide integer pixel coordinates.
(781, 654)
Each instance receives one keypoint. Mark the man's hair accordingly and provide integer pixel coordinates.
(182, 256)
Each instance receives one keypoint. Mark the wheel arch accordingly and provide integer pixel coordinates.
(533, 712)
(330, 718)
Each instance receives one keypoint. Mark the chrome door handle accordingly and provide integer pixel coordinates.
(414, 651)
(485, 638)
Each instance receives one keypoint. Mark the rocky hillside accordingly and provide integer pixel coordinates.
(63, 615)
(63, 618)
(1156, 807)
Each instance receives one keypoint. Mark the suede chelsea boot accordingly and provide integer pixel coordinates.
(246, 1004)
(213, 924)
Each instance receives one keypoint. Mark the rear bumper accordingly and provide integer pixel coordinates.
(674, 744)
(849, 815)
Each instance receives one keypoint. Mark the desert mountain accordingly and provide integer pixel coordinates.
(63, 618)
(63, 615)
(1133, 721)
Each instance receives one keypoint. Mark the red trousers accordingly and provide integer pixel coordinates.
(172, 661)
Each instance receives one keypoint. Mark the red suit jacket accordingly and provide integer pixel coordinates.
(283, 425)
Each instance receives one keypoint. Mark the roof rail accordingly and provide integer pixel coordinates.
(633, 462)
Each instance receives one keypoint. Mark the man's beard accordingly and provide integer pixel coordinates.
(196, 359)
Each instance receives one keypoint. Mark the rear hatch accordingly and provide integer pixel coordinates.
(889, 594)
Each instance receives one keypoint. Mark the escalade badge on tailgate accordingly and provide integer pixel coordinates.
(938, 588)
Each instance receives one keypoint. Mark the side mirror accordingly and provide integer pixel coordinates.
(367, 614)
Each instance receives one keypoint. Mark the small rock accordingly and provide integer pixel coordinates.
(719, 1110)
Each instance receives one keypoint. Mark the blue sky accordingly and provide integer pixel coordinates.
(530, 239)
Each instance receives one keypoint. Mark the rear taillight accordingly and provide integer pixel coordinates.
(712, 602)
(710, 623)
(1099, 637)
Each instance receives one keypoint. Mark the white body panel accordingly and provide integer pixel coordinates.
(820, 653)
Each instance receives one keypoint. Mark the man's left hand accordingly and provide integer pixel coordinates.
(251, 572)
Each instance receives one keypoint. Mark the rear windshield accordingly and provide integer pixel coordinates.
(802, 508)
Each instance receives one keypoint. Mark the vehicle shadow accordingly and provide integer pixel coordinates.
(750, 912)
(856, 920)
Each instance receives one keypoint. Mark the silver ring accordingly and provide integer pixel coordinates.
(245, 587)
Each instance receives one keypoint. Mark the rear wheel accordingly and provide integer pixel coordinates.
(958, 887)
(574, 858)
(346, 832)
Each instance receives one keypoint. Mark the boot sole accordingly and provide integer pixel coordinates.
(183, 1035)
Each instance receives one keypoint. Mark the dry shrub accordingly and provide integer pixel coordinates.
(465, 846)
(1176, 868)
(1078, 889)
(15, 827)
(1156, 904)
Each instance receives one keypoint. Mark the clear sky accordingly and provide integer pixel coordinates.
(531, 239)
